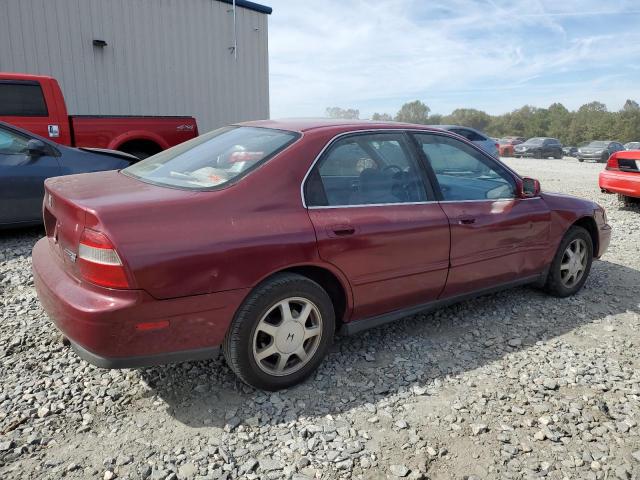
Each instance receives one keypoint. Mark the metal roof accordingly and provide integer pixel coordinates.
(256, 7)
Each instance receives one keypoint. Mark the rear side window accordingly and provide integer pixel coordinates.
(370, 169)
(22, 100)
(464, 174)
(213, 159)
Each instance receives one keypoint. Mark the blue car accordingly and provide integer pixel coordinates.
(27, 160)
(486, 143)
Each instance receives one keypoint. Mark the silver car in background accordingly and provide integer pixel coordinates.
(632, 146)
(486, 143)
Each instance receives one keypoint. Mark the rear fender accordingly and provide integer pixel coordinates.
(133, 135)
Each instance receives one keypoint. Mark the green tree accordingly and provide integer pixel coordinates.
(346, 113)
(559, 118)
(628, 122)
(413, 112)
(382, 117)
(435, 119)
(469, 117)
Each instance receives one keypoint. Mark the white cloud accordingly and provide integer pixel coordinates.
(375, 55)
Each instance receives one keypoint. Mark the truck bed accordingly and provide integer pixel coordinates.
(116, 131)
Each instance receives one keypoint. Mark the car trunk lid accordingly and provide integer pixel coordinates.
(101, 201)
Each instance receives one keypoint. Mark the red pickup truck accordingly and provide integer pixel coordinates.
(36, 103)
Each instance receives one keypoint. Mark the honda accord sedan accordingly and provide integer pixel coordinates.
(264, 239)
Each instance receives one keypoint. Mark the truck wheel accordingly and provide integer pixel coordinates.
(280, 333)
(571, 265)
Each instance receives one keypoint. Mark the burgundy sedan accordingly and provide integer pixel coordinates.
(265, 238)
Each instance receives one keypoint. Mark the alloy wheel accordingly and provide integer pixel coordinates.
(574, 263)
(287, 336)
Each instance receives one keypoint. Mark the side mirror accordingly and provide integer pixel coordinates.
(530, 188)
(37, 148)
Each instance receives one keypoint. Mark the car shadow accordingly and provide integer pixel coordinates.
(416, 351)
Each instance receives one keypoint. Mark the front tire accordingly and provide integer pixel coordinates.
(571, 264)
(280, 333)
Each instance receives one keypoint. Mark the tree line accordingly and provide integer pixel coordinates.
(592, 121)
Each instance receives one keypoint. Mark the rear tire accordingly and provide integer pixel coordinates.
(581, 160)
(280, 333)
(571, 264)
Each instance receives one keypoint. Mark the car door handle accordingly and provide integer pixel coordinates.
(466, 221)
(342, 230)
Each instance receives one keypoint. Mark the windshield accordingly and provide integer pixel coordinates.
(535, 141)
(212, 159)
(596, 144)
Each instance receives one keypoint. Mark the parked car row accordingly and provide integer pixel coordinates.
(545, 147)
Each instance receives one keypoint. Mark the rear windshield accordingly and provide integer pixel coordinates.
(22, 99)
(213, 159)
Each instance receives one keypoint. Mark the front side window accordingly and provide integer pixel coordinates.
(22, 100)
(463, 173)
(366, 170)
(12, 143)
(213, 159)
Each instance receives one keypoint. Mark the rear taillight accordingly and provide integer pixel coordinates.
(612, 163)
(99, 262)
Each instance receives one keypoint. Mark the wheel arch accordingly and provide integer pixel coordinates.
(141, 136)
(589, 224)
(331, 280)
(140, 145)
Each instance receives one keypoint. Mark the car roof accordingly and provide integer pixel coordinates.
(23, 76)
(308, 124)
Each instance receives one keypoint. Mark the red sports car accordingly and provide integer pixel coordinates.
(622, 176)
(265, 238)
(505, 145)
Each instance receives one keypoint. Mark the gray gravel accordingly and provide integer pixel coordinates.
(513, 385)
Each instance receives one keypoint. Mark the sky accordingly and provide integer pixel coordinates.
(491, 55)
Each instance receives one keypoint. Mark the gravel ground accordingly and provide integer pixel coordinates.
(512, 385)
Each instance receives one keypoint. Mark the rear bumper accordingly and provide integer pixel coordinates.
(624, 183)
(116, 329)
(144, 360)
